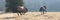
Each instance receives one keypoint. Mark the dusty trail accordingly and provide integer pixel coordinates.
(31, 16)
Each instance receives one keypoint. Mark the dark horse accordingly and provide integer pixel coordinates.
(43, 10)
(22, 10)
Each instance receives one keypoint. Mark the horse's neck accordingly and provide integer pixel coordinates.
(43, 8)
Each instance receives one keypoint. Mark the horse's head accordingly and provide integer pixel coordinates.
(45, 7)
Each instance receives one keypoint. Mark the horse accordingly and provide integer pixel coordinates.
(43, 10)
(22, 10)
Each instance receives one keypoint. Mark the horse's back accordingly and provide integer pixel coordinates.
(22, 10)
(42, 9)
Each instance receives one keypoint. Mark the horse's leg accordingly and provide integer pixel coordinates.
(43, 12)
(21, 13)
(18, 13)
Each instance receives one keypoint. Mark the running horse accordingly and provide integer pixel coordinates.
(21, 10)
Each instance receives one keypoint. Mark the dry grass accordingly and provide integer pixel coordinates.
(32, 16)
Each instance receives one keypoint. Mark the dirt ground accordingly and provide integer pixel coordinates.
(31, 16)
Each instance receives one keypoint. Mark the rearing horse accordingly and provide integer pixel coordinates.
(22, 10)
